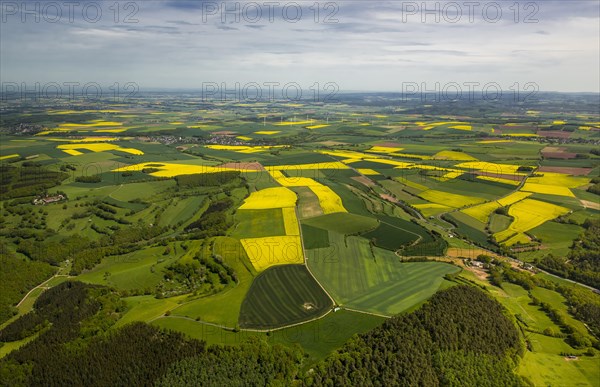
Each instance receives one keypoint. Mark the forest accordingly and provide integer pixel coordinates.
(459, 337)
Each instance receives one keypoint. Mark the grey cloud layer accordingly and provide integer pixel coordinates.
(370, 48)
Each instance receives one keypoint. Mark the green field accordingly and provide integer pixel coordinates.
(499, 222)
(545, 366)
(283, 295)
(138, 270)
(391, 237)
(314, 237)
(557, 237)
(182, 210)
(223, 308)
(377, 283)
(259, 223)
(343, 223)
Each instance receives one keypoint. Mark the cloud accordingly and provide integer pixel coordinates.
(370, 47)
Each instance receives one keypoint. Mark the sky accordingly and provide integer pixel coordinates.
(349, 45)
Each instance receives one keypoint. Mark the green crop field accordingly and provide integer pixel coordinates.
(344, 223)
(556, 236)
(182, 210)
(314, 237)
(377, 283)
(259, 223)
(318, 338)
(391, 237)
(499, 222)
(283, 295)
(137, 270)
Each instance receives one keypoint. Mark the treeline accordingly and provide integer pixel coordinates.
(89, 179)
(460, 337)
(86, 253)
(206, 179)
(63, 307)
(583, 261)
(200, 275)
(28, 180)
(254, 363)
(17, 276)
(213, 221)
(595, 187)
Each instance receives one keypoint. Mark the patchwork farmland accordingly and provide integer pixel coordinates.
(246, 223)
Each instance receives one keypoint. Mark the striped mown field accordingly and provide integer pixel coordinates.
(283, 295)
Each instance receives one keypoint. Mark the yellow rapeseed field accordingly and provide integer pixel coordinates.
(268, 132)
(72, 152)
(9, 156)
(461, 127)
(499, 180)
(270, 251)
(383, 149)
(554, 183)
(99, 147)
(548, 189)
(411, 184)
(493, 141)
(120, 130)
(329, 201)
(277, 197)
(290, 221)
(291, 123)
(317, 126)
(92, 125)
(411, 156)
(173, 169)
(520, 237)
(513, 198)
(245, 138)
(453, 155)
(62, 112)
(347, 154)
(449, 199)
(492, 168)
(244, 148)
(562, 179)
(482, 212)
(367, 172)
(528, 214)
(299, 167)
(449, 176)
(396, 164)
(429, 209)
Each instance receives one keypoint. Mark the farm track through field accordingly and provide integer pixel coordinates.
(305, 258)
(42, 286)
